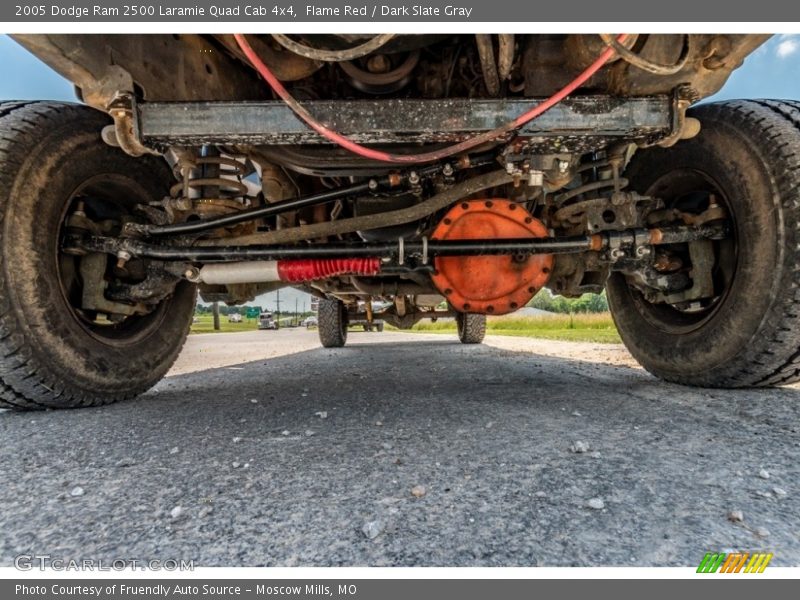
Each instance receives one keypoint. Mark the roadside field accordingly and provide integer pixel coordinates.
(205, 324)
(597, 327)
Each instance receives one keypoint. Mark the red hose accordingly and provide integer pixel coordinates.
(371, 153)
(311, 269)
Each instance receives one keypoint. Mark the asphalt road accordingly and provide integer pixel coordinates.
(264, 449)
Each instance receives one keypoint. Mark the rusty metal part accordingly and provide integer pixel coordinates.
(158, 67)
(505, 55)
(286, 65)
(429, 300)
(225, 180)
(208, 208)
(683, 127)
(410, 319)
(276, 187)
(488, 66)
(126, 125)
(626, 80)
(701, 254)
(592, 186)
(645, 64)
(159, 284)
(575, 214)
(581, 49)
(368, 307)
(396, 217)
(197, 67)
(714, 212)
(490, 284)
(666, 262)
(400, 306)
(353, 53)
(715, 52)
(625, 242)
(380, 288)
(656, 236)
(576, 123)
(333, 194)
(544, 59)
(397, 251)
(93, 269)
(608, 211)
(679, 234)
(381, 82)
(209, 187)
(597, 242)
(378, 63)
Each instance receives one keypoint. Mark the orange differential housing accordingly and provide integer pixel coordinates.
(493, 285)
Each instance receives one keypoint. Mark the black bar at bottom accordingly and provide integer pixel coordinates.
(697, 586)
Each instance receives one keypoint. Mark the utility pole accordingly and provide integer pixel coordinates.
(278, 310)
(215, 312)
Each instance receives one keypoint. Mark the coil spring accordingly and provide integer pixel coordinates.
(226, 188)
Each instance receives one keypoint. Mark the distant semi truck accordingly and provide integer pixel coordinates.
(266, 320)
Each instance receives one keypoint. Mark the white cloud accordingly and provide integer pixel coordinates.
(787, 47)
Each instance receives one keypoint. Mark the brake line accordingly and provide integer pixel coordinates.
(379, 155)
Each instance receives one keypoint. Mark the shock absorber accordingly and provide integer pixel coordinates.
(294, 270)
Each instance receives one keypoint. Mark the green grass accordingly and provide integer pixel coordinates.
(575, 328)
(206, 325)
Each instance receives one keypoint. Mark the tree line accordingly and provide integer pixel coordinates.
(587, 303)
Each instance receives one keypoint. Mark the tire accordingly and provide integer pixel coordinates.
(748, 152)
(379, 327)
(50, 357)
(471, 328)
(332, 323)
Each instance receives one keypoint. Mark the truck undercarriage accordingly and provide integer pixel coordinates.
(441, 175)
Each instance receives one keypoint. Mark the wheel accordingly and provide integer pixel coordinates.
(746, 333)
(332, 323)
(471, 328)
(379, 327)
(367, 327)
(53, 353)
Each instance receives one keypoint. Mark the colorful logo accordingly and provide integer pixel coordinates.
(735, 562)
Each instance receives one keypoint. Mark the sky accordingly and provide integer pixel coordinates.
(772, 71)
